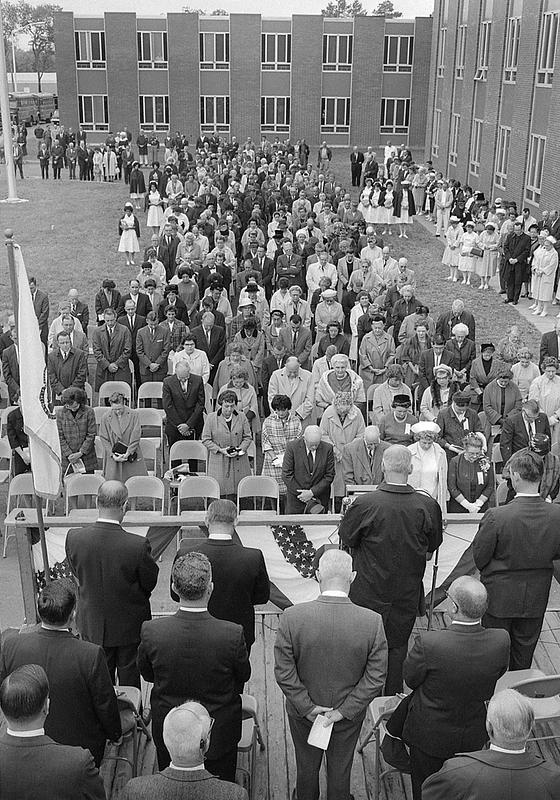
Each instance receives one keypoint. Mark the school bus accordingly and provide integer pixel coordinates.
(31, 107)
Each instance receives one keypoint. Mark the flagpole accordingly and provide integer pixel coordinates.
(7, 123)
(9, 234)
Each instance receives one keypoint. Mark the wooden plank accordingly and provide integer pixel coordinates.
(278, 786)
(257, 688)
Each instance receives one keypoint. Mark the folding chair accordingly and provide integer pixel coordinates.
(106, 390)
(149, 451)
(146, 487)
(189, 451)
(252, 456)
(542, 691)
(19, 487)
(209, 400)
(89, 392)
(100, 453)
(379, 712)
(129, 701)
(152, 418)
(198, 486)
(99, 412)
(80, 485)
(369, 403)
(251, 736)
(258, 486)
(151, 390)
(5, 455)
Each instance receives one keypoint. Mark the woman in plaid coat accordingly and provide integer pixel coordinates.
(76, 430)
(224, 429)
(278, 429)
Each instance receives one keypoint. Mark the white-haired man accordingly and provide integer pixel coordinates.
(362, 458)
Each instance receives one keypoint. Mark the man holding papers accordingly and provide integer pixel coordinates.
(330, 661)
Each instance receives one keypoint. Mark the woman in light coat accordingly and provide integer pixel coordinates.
(429, 463)
(543, 267)
(121, 425)
(467, 261)
(360, 308)
(487, 265)
(452, 247)
(227, 436)
(341, 424)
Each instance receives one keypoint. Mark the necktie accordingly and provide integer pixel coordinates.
(208, 334)
(502, 402)
(437, 359)
(294, 340)
(311, 461)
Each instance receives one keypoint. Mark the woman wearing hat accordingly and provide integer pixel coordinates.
(403, 208)
(155, 208)
(452, 248)
(429, 463)
(546, 391)
(385, 393)
(408, 353)
(487, 265)
(107, 297)
(328, 311)
(395, 427)
(341, 424)
(543, 266)
(470, 477)
(484, 369)
(137, 185)
(252, 343)
(438, 394)
(386, 202)
(468, 240)
(129, 228)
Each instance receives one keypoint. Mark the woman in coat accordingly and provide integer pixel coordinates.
(546, 391)
(341, 424)
(360, 308)
(120, 431)
(281, 427)
(251, 340)
(543, 267)
(107, 297)
(484, 369)
(339, 378)
(77, 430)
(487, 265)
(429, 463)
(470, 478)
(129, 228)
(438, 394)
(385, 393)
(403, 208)
(246, 396)
(467, 261)
(452, 247)
(137, 185)
(227, 436)
(376, 350)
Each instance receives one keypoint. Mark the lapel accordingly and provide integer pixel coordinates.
(364, 456)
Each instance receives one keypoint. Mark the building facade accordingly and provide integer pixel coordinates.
(362, 81)
(494, 97)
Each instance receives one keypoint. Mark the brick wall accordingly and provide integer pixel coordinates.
(122, 71)
(494, 86)
(420, 89)
(307, 55)
(467, 94)
(245, 74)
(66, 78)
(184, 94)
(432, 82)
(367, 80)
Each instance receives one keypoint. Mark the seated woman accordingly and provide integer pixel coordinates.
(334, 336)
(386, 392)
(278, 429)
(438, 394)
(395, 427)
(360, 308)
(341, 424)
(429, 463)
(484, 369)
(77, 430)
(463, 351)
(227, 436)
(120, 434)
(340, 378)
(470, 477)
(246, 396)
(524, 372)
(508, 348)
(408, 353)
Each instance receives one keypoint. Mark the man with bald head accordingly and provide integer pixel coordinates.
(308, 472)
(116, 574)
(362, 458)
(453, 674)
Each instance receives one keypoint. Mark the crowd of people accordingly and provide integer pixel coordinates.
(279, 323)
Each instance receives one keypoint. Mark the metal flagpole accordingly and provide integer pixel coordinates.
(7, 123)
(15, 300)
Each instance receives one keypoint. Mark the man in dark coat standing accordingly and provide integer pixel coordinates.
(517, 249)
(112, 348)
(308, 471)
(212, 339)
(116, 574)
(183, 403)
(41, 306)
(239, 573)
(153, 345)
(83, 707)
(520, 427)
(193, 654)
(356, 161)
(392, 532)
(133, 322)
(514, 549)
(453, 673)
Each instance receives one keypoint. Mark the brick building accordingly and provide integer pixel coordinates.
(361, 81)
(494, 96)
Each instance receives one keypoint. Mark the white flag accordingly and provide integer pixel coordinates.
(39, 417)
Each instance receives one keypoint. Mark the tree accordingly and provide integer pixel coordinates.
(189, 10)
(38, 25)
(386, 9)
(344, 8)
(220, 12)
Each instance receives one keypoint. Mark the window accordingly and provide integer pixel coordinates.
(214, 51)
(90, 49)
(537, 145)
(397, 53)
(154, 112)
(512, 49)
(93, 112)
(276, 50)
(441, 52)
(152, 49)
(461, 45)
(547, 48)
(436, 125)
(476, 143)
(214, 113)
(395, 113)
(454, 140)
(275, 114)
(337, 53)
(335, 115)
(483, 51)
(463, 15)
(502, 156)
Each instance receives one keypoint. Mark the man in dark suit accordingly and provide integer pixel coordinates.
(297, 340)
(549, 343)
(392, 532)
(116, 574)
(6, 337)
(239, 573)
(271, 363)
(140, 300)
(79, 309)
(514, 549)
(362, 459)
(83, 709)
(330, 658)
(213, 273)
(133, 322)
(212, 339)
(520, 427)
(183, 403)
(41, 306)
(153, 345)
(452, 673)
(171, 299)
(436, 355)
(66, 366)
(112, 348)
(32, 765)
(193, 654)
(507, 770)
(517, 249)
(447, 321)
(356, 161)
(167, 250)
(308, 471)
(10, 369)
(265, 265)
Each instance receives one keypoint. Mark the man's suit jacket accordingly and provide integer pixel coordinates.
(332, 653)
(81, 312)
(492, 775)
(217, 347)
(514, 549)
(41, 306)
(180, 310)
(139, 323)
(36, 768)
(167, 254)
(426, 366)
(195, 655)
(518, 247)
(240, 581)
(83, 709)
(79, 341)
(65, 372)
(181, 407)
(549, 346)
(297, 475)
(143, 305)
(357, 466)
(453, 673)
(302, 350)
(492, 399)
(206, 277)
(267, 269)
(10, 372)
(153, 350)
(514, 434)
(448, 320)
(173, 784)
(116, 574)
(117, 350)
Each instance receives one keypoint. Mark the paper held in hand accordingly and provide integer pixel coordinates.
(319, 735)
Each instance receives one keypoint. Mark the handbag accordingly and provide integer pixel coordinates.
(477, 252)
(120, 448)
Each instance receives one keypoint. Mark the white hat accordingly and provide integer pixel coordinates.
(551, 239)
(453, 218)
(425, 427)
(328, 294)
(498, 200)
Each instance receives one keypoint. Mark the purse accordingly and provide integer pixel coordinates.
(477, 252)
(120, 448)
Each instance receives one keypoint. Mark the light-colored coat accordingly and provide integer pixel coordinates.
(340, 433)
(442, 490)
(300, 390)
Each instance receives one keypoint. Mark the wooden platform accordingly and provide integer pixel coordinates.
(275, 767)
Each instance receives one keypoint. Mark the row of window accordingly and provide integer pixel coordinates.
(276, 51)
(215, 113)
(545, 58)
